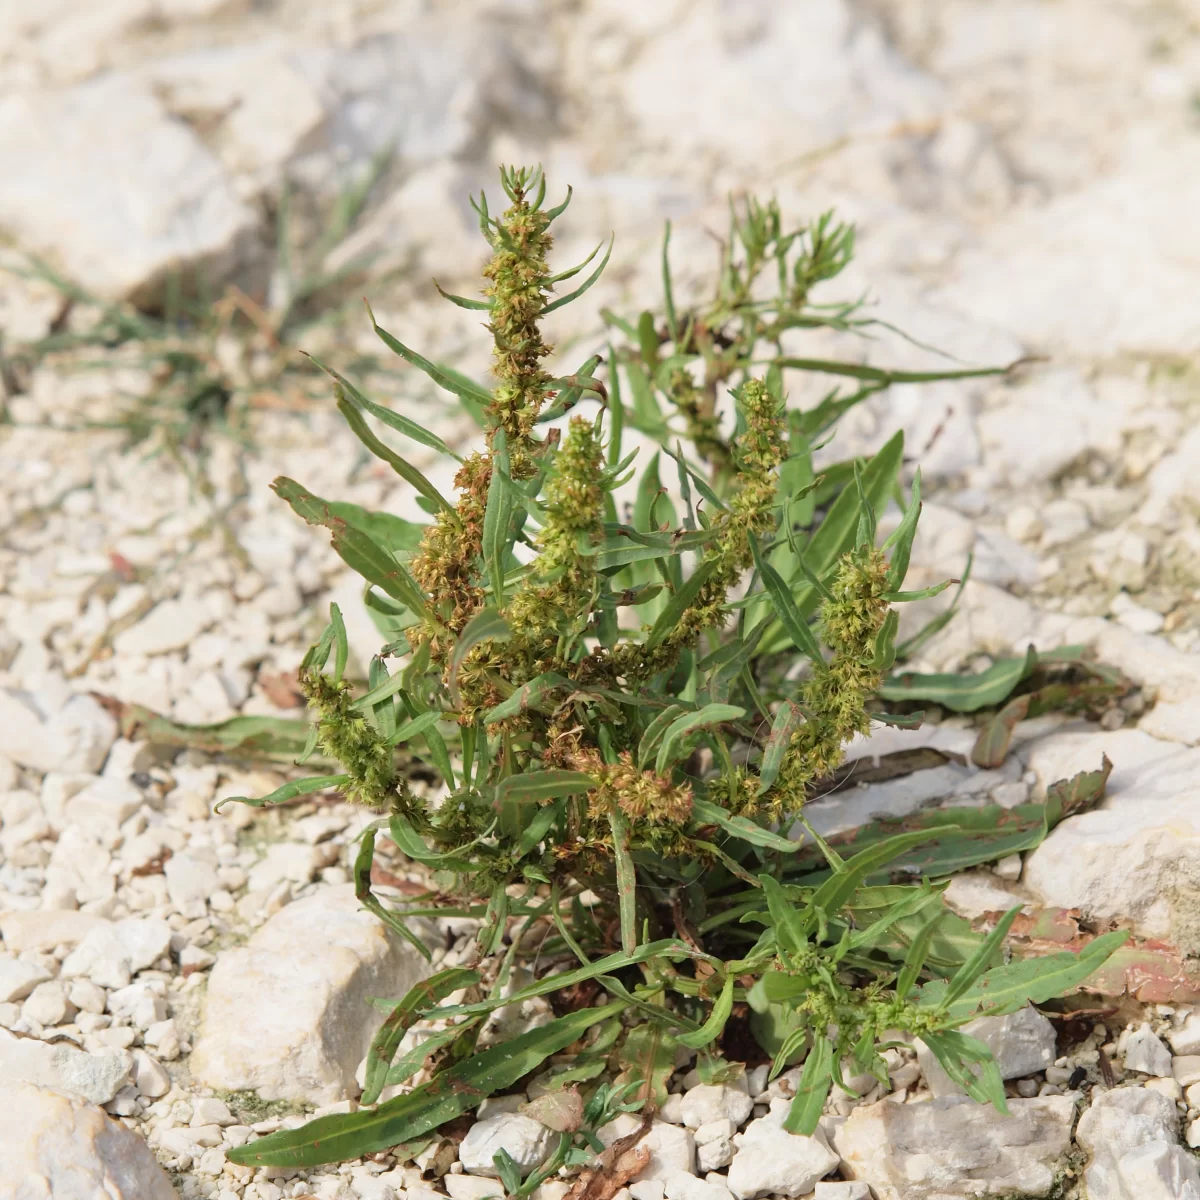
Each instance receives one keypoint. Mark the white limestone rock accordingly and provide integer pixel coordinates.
(1130, 857)
(114, 952)
(527, 1141)
(954, 1146)
(687, 1187)
(62, 1065)
(773, 1162)
(322, 958)
(106, 183)
(55, 1145)
(46, 928)
(842, 1190)
(466, 1187)
(76, 737)
(18, 978)
(1131, 1136)
(1023, 1043)
(1145, 1052)
(715, 1102)
(672, 1149)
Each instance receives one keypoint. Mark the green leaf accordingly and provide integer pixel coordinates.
(401, 424)
(1011, 986)
(842, 884)
(958, 1052)
(788, 719)
(704, 812)
(583, 287)
(626, 878)
(708, 716)
(289, 791)
(542, 785)
(789, 616)
(644, 414)
(654, 733)
(963, 693)
(410, 842)
(464, 301)
(977, 963)
(448, 380)
(902, 538)
(277, 738)
(487, 625)
(363, 894)
(498, 513)
(715, 1025)
(544, 820)
(401, 466)
(790, 926)
(815, 1081)
(353, 546)
(668, 619)
(667, 948)
(528, 696)
(880, 374)
(391, 1033)
(407, 1065)
(885, 642)
(648, 1058)
(918, 952)
(343, 1136)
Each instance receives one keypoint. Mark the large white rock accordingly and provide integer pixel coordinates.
(954, 1146)
(715, 1102)
(62, 1065)
(773, 1162)
(1157, 1172)
(171, 625)
(288, 1014)
(43, 929)
(114, 952)
(1022, 1042)
(53, 1145)
(1136, 855)
(527, 1141)
(1144, 1051)
(76, 737)
(1131, 1135)
(672, 1150)
(103, 181)
(18, 978)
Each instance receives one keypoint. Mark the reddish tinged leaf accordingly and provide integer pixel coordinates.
(1146, 970)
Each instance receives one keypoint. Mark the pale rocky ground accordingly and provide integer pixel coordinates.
(1025, 178)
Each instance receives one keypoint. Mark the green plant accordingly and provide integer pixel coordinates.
(640, 708)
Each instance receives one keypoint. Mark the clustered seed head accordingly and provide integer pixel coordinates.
(643, 795)
(835, 695)
(346, 736)
(518, 288)
(562, 592)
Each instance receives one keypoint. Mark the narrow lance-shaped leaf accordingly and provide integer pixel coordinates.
(708, 716)
(900, 543)
(343, 1136)
(445, 379)
(400, 465)
(542, 785)
(788, 719)
(815, 1081)
(397, 421)
(289, 791)
(963, 693)
(391, 1033)
(355, 548)
(794, 625)
(704, 812)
